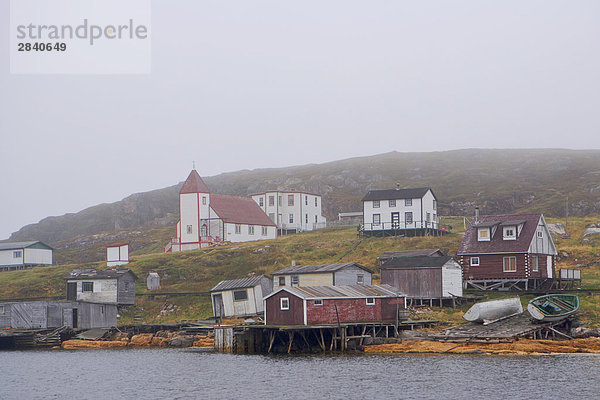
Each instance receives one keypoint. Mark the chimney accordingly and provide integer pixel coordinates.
(476, 214)
(293, 263)
(397, 186)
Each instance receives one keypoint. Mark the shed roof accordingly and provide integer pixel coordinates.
(317, 269)
(239, 283)
(239, 210)
(23, 245)
(411, 253)
(334, 292)
(415, 262)
(496, 244)
(194, 184)
(393, 194)
(99, 273)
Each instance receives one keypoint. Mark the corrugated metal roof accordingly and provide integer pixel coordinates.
(328, 292)
(20, 245)
(238, 283)
(410, 253)
(415, 262)
(99, 273)
(315, 269)
(394, 194)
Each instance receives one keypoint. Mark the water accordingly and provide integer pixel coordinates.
(186, 374)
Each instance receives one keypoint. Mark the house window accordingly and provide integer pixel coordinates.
(238, 229)
(435, 204)
(87, 286)
(509, 233)
(265, 232)
(250, 229)
(282, 281)
(408, 202)
(360, 279)
(376, 219)
(272, 217)
(540, 234)
(260, 201)
(306, 218)
(284, 303)
(295, 280)
(392, 203)
(370, 301)
(428, 217)
(240, 295)
(483, 234)
(316, 202)
(271, 200)
(279, 200)
(17, 254)
(316, 220)
(290, 199)
(509, 264)
(474, 261)
(408, 217)
(189, 229)
(375, 203)
(305, 200)
(291, 218)
(203, 200)
(1, 309)
(318, 302)
(535, 262)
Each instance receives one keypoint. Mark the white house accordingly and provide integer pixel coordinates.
(117, 254)
(24, 255)
(340, 274)
(292, 211)
(240, 297)
(206, 218)
(400, 212)
(108, 286)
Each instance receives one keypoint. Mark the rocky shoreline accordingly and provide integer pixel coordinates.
(163, 338)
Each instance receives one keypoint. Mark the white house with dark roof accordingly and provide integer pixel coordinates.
(24, 255)
(240, 297)
(400, 212)
(322, 275)
(206, 218)
(292, 211)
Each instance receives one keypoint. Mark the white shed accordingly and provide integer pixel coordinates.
(153, 281)
(117, 254)
(23, 255)
(240, 297)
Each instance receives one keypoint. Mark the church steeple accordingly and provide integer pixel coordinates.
(194, 184)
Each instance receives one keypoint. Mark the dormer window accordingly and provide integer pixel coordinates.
(483, 234)
(509, 233)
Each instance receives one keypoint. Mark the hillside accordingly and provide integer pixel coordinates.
(496, 180)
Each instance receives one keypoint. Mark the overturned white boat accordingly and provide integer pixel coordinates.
(487, 312)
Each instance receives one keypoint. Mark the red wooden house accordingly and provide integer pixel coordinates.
(323, 305)
(508, 252)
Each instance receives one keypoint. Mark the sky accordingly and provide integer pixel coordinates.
(254, 84)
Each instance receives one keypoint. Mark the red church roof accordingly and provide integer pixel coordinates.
(194, 184)
(239, 210)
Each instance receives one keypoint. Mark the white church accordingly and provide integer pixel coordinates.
(206, 218)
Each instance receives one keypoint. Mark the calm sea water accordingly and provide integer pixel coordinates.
(187, 374)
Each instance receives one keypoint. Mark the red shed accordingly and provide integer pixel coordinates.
(321, 305)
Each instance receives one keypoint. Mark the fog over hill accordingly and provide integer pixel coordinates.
(499, 181)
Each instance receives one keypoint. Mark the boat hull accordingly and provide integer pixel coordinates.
(492, 310)
(553, 307)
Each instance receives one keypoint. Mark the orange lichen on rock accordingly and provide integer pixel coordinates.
(522, 346)
(159, 341)
(204, 341)
(142, 340)
(92, 344)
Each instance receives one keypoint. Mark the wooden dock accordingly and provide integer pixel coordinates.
(507, 330)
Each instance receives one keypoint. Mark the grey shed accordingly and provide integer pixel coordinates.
(153, 281)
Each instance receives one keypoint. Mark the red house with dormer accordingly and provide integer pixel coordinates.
(508, 252)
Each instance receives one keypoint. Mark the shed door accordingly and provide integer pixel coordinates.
(395, 220)
(549, 266)
(72, 291)
(218, 305)
(75, 318)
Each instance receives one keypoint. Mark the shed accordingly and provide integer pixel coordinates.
(322, 275)
(153, 281)
(117, 254)
(24, 255)
(108, 286)
(410, 253)
(326, 305)
(423, 277)
(240, 297)
(55, 314)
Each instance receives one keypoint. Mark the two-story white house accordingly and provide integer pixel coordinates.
(292, 211)
(400, 212)
(207, 218)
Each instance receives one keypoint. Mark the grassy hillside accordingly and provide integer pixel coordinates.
(200, 270)
(498, 181)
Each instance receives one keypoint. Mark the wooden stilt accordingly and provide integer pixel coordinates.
(271, 340)
(291, 336)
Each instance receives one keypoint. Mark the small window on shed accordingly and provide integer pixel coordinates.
(240, 295)
(318, 302)
(189, 229)
(474, 261)
(284, 303)
(370, 301)
(295, 280)
(17, 254)
(87, 286)
(540, 234)
(282, 281)
(360, 279)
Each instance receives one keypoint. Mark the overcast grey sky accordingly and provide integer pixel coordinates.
(250, 84)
